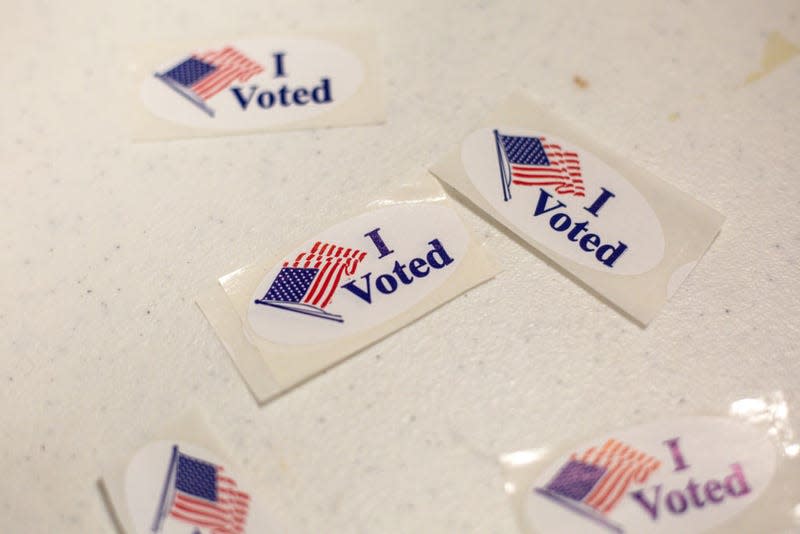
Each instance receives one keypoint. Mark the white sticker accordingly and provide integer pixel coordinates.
(586, 220)
(284, 319)
(614, 226)
(261, 83)
(183, 484)
(358, 273)
(684, 475)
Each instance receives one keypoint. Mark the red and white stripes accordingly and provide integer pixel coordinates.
(226, 515)
(333, 263)
(564, 171)
(624, 466)
(231, 65)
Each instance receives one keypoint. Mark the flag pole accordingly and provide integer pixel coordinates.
(185, 93)
(503, 181)
(160, 512)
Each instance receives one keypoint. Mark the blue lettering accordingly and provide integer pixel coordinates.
(589, 242)
(387, 283)
(557, 220)
(322, 93)
(260, 100)
(365, 295)
(443, 258)
(244, 102)
(416, 265)
(279, 72)
(544, 196)
(613, 253)
(651, 508)
(284, 96)
(300, 96)
(561, 222)
(679, 501)
(599, 201)
(377, 240)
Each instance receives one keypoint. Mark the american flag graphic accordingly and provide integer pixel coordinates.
(203, 496)
(307, 284)
(535, 161)
(594, 482)
(201, 76)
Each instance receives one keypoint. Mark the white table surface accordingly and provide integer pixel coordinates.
(106, 243)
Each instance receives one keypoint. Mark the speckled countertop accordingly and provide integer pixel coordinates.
(106, 243)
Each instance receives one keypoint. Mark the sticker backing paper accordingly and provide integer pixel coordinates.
(273, 82)
(285, 318)
(181, 481)
(732, 473)
(622, 231)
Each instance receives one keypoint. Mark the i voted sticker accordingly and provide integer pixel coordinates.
(181, 483)
(260, 83)
(685, 475)
(357, 274)
(287, 317)
(623, 232)
(565, 198)
(174, 486)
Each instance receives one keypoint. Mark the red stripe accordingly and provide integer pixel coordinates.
(548, 171)
(603, 450)
(225, 76)
(216, 82)
(615, 493)
(536, 168)
(543, 174)
(329, 273)
(231, 65)
(312, 293)
(620, 474)
(567, 162)
(217, 506)
(334, 285)
(639, 474)
(197, 520)
(520, 182)
(190, 499)
(604, 496)
(226, 515)
(189, 508)
(195, 501)
(332, 262)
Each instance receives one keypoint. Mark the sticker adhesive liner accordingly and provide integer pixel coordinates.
(723, 474)
(286, 318)
(182, 481)
(276, 82)
(625, 233)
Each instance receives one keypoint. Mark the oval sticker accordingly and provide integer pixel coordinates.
(358, 274)
(564, 198)
(174, 487)
(253, 83)
(684, 475)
